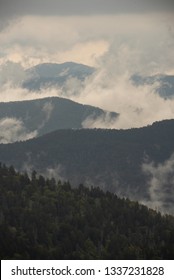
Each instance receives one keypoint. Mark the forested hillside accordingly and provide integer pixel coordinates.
(111, 159)
(44, 219)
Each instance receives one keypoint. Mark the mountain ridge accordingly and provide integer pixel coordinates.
(53, 74)
(112, 159)
(48, 114)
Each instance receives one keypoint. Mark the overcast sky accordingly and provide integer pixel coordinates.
(12, 9)
(82, 27)
(76, 7)
(119, 37)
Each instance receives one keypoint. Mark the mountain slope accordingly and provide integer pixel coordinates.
(113, 159)
(45, 115)
(53, 74)
(42, 219)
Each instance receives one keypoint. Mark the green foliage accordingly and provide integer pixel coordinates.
(43, 219)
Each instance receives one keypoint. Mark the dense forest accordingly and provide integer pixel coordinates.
(44, 219)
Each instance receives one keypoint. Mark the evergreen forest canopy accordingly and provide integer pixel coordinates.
(44, 219)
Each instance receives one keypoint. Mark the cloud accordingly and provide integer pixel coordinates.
(118, 45)
(112, 89)
(161, 185)
(73, 39)
(85, 39)
(81, 7)
(47, 109)
(12, 73)
(10, 93)
(106, 120)
(56, 172)
(12, 129)
(85, 52)
(109, 88)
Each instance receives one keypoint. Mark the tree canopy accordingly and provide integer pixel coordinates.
(44, 219)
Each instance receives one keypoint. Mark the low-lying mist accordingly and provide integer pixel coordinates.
(137, 105)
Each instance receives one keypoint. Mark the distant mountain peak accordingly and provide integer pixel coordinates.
(54, 74)
(52, 69)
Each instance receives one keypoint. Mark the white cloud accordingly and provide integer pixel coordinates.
(161, 185)
(12, 129)
(55, 172)
(105, 121)
(85, 38)
(13, 73)
(11, 93)
(111, 89)
(51, 39)
(47, 109)
(119, 45)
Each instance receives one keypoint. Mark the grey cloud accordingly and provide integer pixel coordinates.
(12, 72)
(12, 8)
(47, 109)
(161, 185)
(12, 129)
(57, 172)
(106, 120)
